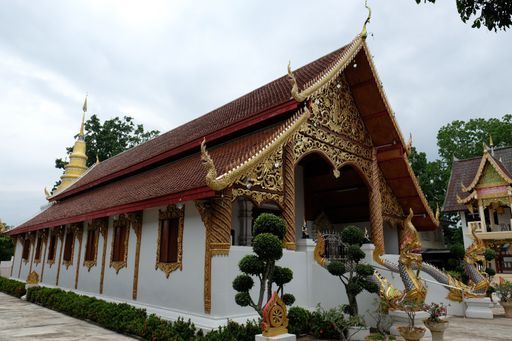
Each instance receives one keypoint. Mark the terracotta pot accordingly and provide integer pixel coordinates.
(508, 308)
(436, 328)
(411, 334)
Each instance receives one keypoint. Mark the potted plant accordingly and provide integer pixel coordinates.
(410, 332)
(435, 321)
(504, 292)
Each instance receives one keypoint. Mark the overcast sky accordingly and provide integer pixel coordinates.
(167, 62)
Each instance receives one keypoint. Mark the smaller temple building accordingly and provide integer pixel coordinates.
(480, 192)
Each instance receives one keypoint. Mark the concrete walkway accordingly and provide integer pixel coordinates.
(20, 320)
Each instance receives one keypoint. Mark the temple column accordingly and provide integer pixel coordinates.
(482, 216)
(376, 219)
(289, 197)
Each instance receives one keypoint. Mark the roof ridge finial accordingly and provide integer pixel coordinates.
(84, 109)
(364, 33)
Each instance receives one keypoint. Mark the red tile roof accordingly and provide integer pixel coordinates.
(464, 171)
(180, 176)
(264, 98)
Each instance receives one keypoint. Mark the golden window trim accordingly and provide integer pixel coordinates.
(122, 220)
(75, 229)
(94, 227)
(30, 237)
(171, 212)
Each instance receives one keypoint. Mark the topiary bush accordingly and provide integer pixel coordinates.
(267, 245)
(12, 287)
(298, 320)
(354, 275)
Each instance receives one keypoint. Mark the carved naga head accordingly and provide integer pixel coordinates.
(475, 252)
(411, 245)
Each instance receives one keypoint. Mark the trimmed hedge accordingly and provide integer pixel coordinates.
(12, 287)
(126, 319)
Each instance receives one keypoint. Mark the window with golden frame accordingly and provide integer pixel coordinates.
(69, 246)
(91, 246)
(169, 249)
(119, 249)
(26, 250)
(37, 256)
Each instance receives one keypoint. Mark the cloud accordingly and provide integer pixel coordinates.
(165, 63)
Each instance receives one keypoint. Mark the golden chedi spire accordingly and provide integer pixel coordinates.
(77, 164)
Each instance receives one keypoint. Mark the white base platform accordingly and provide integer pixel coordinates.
(399, 318)
(479, 308)
(282, 337)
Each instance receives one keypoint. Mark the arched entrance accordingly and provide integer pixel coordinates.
(324, 201)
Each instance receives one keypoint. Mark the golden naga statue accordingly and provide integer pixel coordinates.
(474, 255)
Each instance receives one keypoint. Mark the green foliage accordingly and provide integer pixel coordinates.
(298, 320)
(126, 319)
(234, 332)
(282, 275)
(364, 270)
(433, 176)
(243, 299)
(495, 15)
(504, 291)
(251, 265)
(267, 246)
(489, 254)
(490, 271)
(332, 323)
(243, 283)
(6, 248)
(354, 253)
(12, 287)
(458, 251)
(288, 299)
(270, 223)
(352, 235)
(336, 268)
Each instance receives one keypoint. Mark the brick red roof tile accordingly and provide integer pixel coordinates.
(465, 170)
(182, 175)
(264, 98)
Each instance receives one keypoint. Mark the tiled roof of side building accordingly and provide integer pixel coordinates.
(264, 98)
(464, 171)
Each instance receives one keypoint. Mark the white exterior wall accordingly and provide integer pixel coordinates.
(17, 258)
(183, 290)
(391, 242)
(119, 284)
(67, 275)
(50, 270)
(25, 265)
(466, 235)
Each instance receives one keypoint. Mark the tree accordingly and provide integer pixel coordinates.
(6, 244)
(354, 276)
(493, 14)
(463, 140)
(269, 231)
(110, 138)
(432, 176)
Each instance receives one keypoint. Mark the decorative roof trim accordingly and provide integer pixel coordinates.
(486, 158)
(218, 183)
(467, 199)
(329, 75)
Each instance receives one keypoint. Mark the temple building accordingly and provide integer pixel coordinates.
(480, 192)
(163, 225)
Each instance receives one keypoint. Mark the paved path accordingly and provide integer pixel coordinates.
(20, 320)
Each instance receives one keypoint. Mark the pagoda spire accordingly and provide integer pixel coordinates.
(77, 164)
